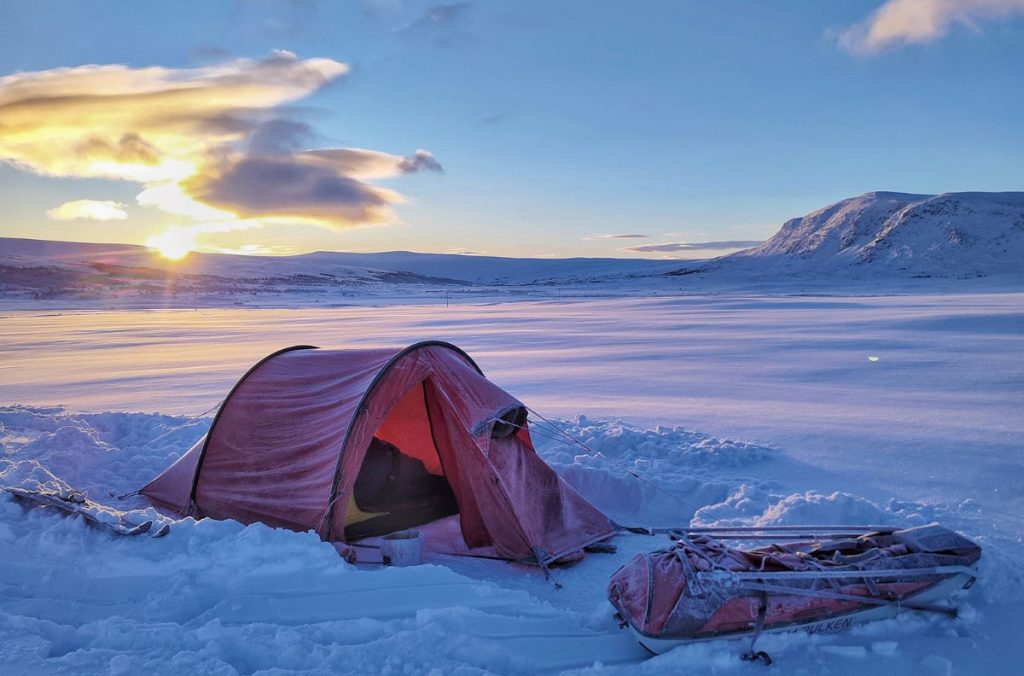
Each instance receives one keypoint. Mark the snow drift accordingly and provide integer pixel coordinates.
(217, 597)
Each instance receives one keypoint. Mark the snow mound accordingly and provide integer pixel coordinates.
(99, 453)
(643, 477)
(755, 506)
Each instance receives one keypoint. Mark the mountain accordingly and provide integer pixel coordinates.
(891, 235)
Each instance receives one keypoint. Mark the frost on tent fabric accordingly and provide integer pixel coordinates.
(357, 443)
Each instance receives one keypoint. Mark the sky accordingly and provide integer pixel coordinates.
(517, 128)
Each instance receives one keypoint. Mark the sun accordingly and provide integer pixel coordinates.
(173, 244)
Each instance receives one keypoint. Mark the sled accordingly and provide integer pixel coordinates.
(816, 579)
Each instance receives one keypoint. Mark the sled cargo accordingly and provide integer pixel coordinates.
(701, 589)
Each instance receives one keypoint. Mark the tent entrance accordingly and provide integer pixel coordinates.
(401, 483)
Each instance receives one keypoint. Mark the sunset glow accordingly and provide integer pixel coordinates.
(438, 127)
(174, 244)
(346, 334)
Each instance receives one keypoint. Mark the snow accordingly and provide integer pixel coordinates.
(739, 409)
(889, 234)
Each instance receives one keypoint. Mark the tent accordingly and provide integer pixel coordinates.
(357, 443)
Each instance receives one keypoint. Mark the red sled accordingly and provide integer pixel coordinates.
(826, 580)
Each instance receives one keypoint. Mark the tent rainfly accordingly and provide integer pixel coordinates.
(360, 443)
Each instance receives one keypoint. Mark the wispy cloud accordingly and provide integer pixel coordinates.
(213, 143)
(440, 25)
(903, 22)
(255, 250)
(289, 18)
(435, 18)
(207, 52)
(491, 120)
(90, 210)
(375, 7)
(674, 247)
(624, 236)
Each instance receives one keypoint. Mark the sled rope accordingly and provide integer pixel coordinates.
(856, 598)
(604, 457)
(165, 434)
(330, 505)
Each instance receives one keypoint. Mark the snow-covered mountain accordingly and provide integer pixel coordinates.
(889, 234)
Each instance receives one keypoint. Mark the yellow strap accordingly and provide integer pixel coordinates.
(354, 515)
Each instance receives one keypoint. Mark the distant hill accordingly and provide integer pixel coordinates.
(454, 267)
(890, 235)
(50, 270)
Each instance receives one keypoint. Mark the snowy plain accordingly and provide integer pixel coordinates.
(754, 409)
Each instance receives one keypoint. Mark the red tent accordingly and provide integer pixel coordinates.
(356, 443)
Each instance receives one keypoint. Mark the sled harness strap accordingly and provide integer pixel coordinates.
(753, 655)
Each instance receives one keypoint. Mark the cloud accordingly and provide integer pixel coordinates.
(494, 119)
(376, 7)
(903, 22)
(624, 236)
(292, 187)
(130, 149)
(435, 18)
(280, 135)
(669, 247)
(91, 210)
(213, 143)
(368, 164)
(421, 160)
(208, 52)
(442, 14)
(289, 18)
(323, 186)
(440, 25)
(255, 250)
(119, 122)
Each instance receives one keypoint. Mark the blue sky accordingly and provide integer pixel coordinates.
(555, 122)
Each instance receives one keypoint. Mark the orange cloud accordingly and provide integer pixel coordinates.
(208, 143)
(92, 210)
(903, 22)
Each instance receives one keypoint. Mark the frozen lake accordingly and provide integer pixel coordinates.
(794, 373)
(822, 408)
